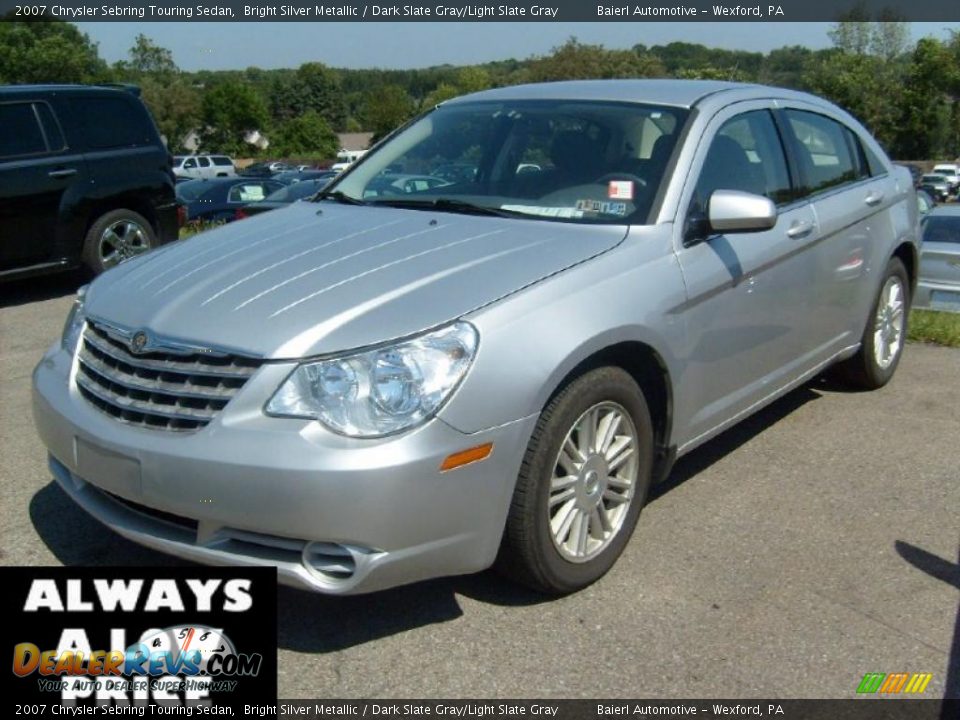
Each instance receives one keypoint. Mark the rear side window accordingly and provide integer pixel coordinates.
(827, 157)
(203, 162)
(20, 132)
(113, 122)
(51, 127)
(248, 192)
(221, 161)
(942, 229)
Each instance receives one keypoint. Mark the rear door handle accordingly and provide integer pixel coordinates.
(874, 198)
(801, 228)
(62, 173)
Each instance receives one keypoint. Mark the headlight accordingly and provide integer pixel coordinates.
(381, 391)
(73, 327)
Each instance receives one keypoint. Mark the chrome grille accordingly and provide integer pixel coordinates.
(168, 388)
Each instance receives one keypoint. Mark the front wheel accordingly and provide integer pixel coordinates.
(885, 334)
(581, 486)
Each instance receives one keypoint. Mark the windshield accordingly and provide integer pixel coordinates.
(575, 161)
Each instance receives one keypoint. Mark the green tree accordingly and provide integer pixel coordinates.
(387, 109)
(229, 111)
(869, 85)
(307, 135)
(313, 86)
(148, 58)
(575, 61)
(47, 52)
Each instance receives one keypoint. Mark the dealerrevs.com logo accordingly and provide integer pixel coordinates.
(167, 636)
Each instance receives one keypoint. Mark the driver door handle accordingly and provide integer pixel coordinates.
(874, 198)
(801, 228)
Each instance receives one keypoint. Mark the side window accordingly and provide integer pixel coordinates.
(827, 157)
(204, 162)
(221, 161)
(189, 163)
(21, 134)
(247, 192)
(746, 154)
(113, 122)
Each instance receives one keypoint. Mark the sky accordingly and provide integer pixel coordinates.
(238, 45)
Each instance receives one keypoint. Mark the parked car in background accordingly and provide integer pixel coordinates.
(219, 199)
(294, 176)
(284, 196)
(377, 388)
(84, 179)
(261, 169)
(939, 284)
(197, 167)
(385, 185)
(951, 172)
(916, 172)
(937, 186)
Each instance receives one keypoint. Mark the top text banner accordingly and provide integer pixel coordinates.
(453, 11)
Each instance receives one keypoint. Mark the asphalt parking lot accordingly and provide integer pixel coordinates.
(815, 542)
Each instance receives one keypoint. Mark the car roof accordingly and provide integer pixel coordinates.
(677, 93)
(34, 89)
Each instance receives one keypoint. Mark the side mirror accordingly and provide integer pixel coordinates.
(732, 211)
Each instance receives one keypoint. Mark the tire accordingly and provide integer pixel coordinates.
(116, 236)
(535, 550)
(885, 334)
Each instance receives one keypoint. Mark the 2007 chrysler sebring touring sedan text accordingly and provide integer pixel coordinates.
(485, 341)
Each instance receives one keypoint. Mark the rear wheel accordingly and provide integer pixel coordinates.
(117, 236)
(885, 334)
(583, 481)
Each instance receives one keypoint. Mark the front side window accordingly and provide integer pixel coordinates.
(747, 155)
(575, 161)
(825, 152)
(20, 132)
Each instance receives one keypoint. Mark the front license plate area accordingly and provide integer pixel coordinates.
(108, 470)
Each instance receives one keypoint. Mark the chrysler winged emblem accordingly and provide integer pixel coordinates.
(138, 342)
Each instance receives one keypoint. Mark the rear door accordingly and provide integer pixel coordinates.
(37, 171)
(851, 196)
(206, 167)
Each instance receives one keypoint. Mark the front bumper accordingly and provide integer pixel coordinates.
(333, 514)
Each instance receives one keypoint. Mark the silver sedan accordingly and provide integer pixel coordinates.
(371, 389)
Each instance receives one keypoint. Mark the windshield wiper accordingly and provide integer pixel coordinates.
(339, 196)
(446, 205)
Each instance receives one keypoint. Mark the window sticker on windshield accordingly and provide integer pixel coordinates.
(557, 212)
(620, 190)
(602, 207)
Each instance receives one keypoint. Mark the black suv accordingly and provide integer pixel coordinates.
(84, 179)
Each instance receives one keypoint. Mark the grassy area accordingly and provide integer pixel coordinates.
(195, 228)
(941, 328)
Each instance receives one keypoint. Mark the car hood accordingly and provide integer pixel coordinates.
(317, 278)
